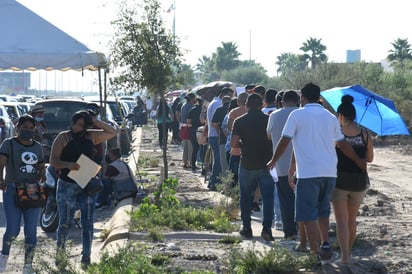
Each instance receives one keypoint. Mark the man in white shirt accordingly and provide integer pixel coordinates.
(314, 132)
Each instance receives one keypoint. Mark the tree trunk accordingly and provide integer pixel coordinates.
(164, 106)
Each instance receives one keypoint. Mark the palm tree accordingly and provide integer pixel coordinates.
(227, 57)
(289, 62)
(206, 68)
(401, 51)
(314, 52)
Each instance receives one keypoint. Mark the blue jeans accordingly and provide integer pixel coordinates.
(248, 180)
(216, 169)
(70, 197)
(287, 206)
(13, 219)
(234, 161)
(103, 197)
(278, 213)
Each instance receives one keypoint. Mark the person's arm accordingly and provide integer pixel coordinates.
(347, 149)
(369, 147)
(292, 171)
(101, 136)
(235, 141)
(3, 160)
(56, 151)
(230, 121)
(279, 150)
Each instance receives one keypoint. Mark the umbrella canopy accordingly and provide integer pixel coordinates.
(210, 90)
(373, 111)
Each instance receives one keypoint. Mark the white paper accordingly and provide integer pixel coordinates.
(88, 169)
(274, 174)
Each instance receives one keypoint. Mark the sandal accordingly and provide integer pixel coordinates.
(299, 248)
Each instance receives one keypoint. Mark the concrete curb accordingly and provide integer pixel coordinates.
(119, 224)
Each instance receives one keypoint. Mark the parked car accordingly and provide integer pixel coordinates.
(122, 118)
(6, 124)
(14, 109)
(58, 114)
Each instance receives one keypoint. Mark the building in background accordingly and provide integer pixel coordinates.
(353, 56)
(13, 83)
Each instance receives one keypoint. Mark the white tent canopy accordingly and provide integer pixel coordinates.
(29, 42)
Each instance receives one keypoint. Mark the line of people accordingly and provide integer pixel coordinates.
(319, 158)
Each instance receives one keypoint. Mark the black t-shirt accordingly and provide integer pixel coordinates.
(218, 117)
(255, 146)
(194, 115)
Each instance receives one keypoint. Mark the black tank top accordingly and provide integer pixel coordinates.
(359, 145)
(71, 152)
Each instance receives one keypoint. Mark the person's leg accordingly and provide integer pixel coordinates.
(31, 218)
(306, 210)
(327, 185)
(224, 167)
(13, 216)
(86, 204)
(246, 183)
(195, 149)
(67, 205)
(287, 206)
(266, 185)
(103, 196)
(277, 211)
(234, 167)
(160, 130)
(340, 208)
(186, 157)
(216, 169)
(167, 131)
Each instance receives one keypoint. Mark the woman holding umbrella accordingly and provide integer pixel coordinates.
(351, 183)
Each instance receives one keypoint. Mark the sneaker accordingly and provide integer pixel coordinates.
(267, 234)
(279, 226)
(3, 262)
(325, 252)
(247, 233)
(28, 269)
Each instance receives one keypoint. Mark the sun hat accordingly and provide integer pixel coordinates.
(37, 108)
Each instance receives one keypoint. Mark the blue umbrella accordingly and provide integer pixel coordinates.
(373, 111)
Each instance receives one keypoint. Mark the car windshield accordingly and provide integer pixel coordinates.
(58, 114)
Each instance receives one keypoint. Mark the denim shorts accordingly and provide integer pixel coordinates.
(313, 198)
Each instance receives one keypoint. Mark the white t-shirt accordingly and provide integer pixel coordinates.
(314, 131)
(149, 104)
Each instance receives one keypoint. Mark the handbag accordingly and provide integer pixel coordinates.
(125, 189)
(184, 132)
(28, 194)
(94, 186)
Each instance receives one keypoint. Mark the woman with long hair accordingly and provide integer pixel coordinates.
(66, 150)
(352, 182)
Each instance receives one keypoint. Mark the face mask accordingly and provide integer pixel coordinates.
(26, 134)
(38, 119)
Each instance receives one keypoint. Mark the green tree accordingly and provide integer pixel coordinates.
(206, 68)
(144, 53)
(400, 52)
(314, 52)
(185, 78)
(289, 62)
(248, 72)
(227, 57)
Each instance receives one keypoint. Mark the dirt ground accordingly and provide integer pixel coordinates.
(384, 221)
